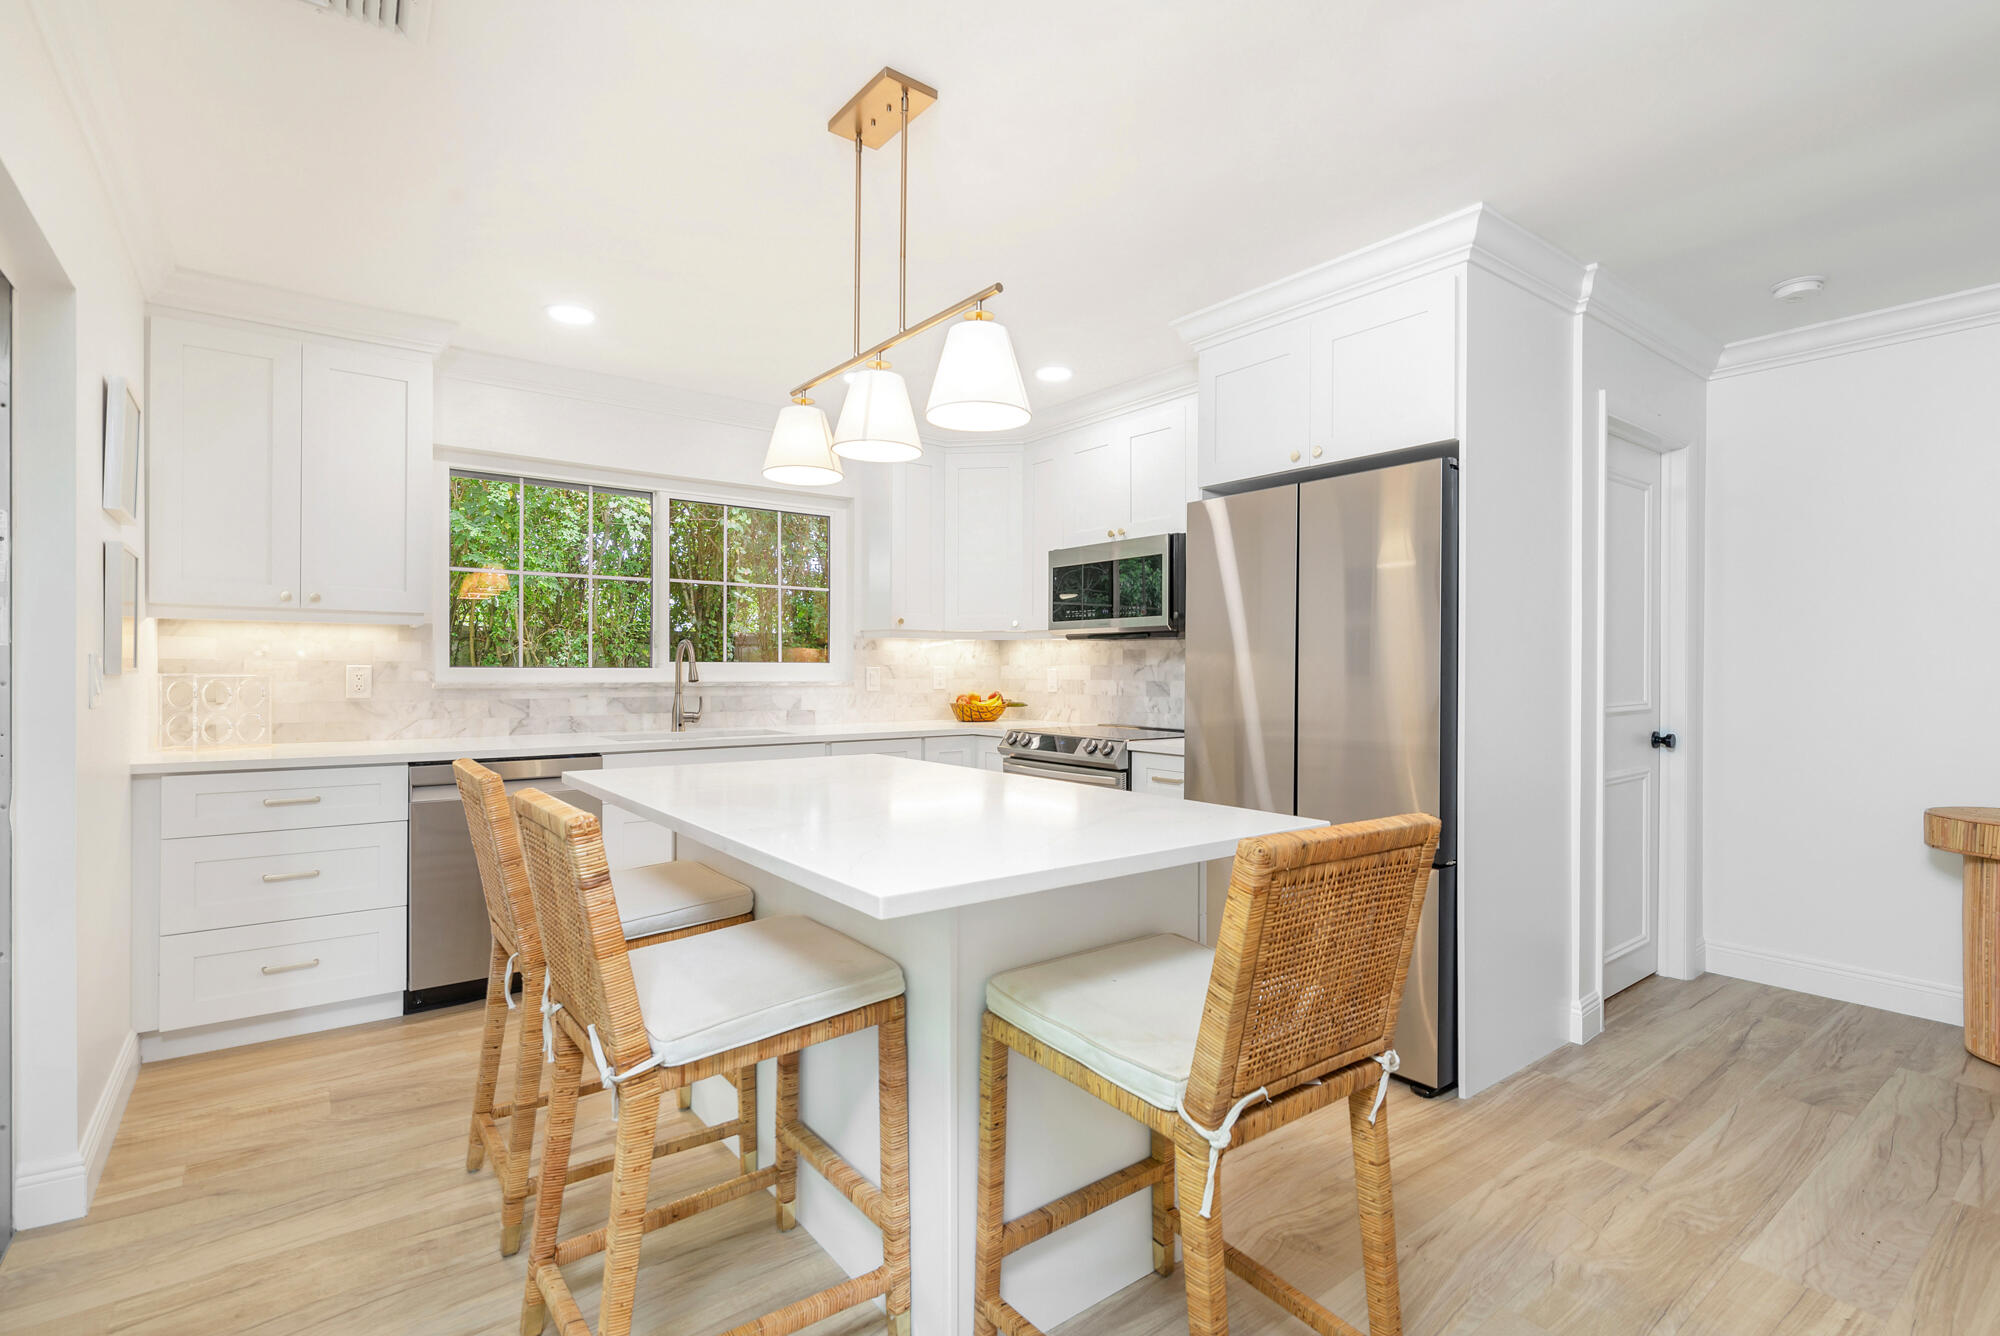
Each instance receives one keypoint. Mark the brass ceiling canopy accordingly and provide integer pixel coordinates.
(875, 114)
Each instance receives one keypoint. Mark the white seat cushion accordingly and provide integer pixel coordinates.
(680, 894)
(1129, 1012)
(719, 990)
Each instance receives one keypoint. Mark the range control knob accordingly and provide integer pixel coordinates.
(1009, 739)
(1090, 747)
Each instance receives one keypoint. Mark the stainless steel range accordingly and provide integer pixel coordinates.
(1077, 754)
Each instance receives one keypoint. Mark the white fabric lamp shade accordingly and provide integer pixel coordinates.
(877, 423)
(801, 451)
(978, 385)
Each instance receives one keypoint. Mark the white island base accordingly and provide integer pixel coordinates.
(1058, 1137)
(956, 875)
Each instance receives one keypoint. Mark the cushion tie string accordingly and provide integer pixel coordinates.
(549, 1010)
(507, 984)
(1218, 1140)
(1390, 1063)
(613, 1078)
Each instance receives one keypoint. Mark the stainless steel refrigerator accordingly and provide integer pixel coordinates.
(1321, 679)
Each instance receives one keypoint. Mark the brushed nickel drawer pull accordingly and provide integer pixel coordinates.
(291, 802)
(287, 969)
(307, 875)
(1157, 779)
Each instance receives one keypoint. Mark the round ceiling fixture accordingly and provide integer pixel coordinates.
(1798, 289)
(568, 313)
(1053, 375)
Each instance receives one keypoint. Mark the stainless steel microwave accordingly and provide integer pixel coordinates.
(1131, 587)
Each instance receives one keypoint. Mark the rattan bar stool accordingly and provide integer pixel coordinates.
(1293, 1009)
(659, 1019)
(660, 904)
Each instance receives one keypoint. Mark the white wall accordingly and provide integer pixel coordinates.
(79, 319)
(1853, 651)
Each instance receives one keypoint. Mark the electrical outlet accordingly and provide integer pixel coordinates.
(1055, 680)
(874, 678)
(938, 678)
(360, 681)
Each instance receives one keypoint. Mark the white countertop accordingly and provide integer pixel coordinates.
(891, 837)
(1159, 746)
(403, 751)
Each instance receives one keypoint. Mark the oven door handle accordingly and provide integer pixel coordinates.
(1073, 774)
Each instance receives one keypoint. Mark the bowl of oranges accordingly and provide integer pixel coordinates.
(970, 709)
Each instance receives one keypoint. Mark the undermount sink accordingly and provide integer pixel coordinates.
(699, 734)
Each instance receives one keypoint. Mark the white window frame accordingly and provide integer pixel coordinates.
(842, 588)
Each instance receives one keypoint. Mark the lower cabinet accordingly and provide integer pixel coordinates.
(1161, 776)
(954, 751)
(234, 973)
(631, 840)
(913, 748)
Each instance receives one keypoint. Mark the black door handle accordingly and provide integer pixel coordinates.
(1667, 740)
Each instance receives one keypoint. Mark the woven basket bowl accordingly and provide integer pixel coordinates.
(978, 712)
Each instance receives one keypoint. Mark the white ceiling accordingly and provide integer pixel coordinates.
(1115, 164)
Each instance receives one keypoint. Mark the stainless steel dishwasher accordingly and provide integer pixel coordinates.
(450, 945)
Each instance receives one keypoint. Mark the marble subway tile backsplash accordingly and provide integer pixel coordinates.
(1077, 681)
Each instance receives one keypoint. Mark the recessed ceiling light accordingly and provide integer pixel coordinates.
(1054, 375)
(565, 313)
(1798, 289)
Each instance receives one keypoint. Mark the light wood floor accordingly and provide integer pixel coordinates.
(1725, 1160)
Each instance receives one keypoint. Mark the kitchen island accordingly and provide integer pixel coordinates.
(956, 874)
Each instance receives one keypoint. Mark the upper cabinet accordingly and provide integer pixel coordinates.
(289, 476)
(1127, 476)
(982, 540)
(1374, 373)
(916, 580)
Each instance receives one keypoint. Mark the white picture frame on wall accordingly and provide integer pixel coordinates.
(122, 447)
(121, 609)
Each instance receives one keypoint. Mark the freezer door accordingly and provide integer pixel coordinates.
(1427, 1027)
(1242, 623)
(1371, 567)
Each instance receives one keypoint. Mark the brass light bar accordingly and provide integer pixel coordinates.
(929, 322)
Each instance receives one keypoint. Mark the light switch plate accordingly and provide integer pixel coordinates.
(938, 678)
(874, 678)
(360, 681)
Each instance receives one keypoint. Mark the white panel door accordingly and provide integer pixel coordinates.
(1098, 486)
(1044, 523)
(982, 540)
(1255, 396)
(365, 478)
(916, 586)
(1385, 370)
(909, 748)
(223, 468)
(1156, 463)
(953, 751)
(1634, 603)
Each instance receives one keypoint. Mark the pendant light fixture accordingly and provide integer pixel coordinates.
(801, 450)
(978, 385)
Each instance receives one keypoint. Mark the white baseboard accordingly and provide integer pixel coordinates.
(234, 1034)
(1844, 983)
(1586, 1018)
(51, 1191)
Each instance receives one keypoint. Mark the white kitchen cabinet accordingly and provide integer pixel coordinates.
(1128, 476)
(954, 751)
(910, 748)
(289, 477)
(916, 581)
(364, 482)
(1162, 776)
(236, 973)
(1385, 370)
(1256, 403)
(987, 753)
(982, 540)
(632, 840)
(222, 503)
(1042, 490)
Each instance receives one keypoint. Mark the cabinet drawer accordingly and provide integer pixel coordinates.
(1161, 776)
(228, 881)
(239, 801)
(232, 973)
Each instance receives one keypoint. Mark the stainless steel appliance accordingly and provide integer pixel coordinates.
(1078, 755)
(1321, 679)
(1130, 587)
(450, 945)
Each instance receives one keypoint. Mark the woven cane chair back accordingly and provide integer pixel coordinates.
(496, 844)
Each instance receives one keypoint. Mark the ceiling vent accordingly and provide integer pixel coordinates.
(409, 17)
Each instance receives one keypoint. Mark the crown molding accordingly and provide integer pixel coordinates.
(69, 30)
(645, 396)
(1478, 234)
(189, 291)
(1620, 308)
(1925, 319)
(1129, 396)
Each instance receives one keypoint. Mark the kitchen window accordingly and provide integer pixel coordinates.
(577, 578)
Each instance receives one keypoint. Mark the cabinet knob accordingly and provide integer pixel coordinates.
(312, 598)
(1110, 533)
(284, 596)
(1295, 456)
(1015, 623)
(899, 621)
(1121, 533)
(1318, 451)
